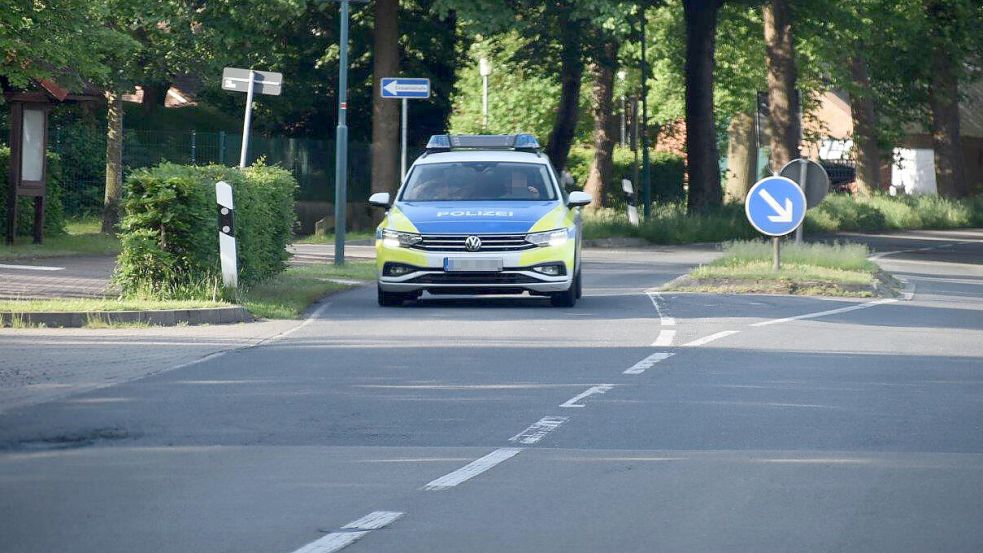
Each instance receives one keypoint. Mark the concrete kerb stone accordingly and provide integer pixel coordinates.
(217, 315)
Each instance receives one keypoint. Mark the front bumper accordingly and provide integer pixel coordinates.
(517, 276)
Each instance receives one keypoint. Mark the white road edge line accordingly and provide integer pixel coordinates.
(538, 430)
(664, 338)
(710, 338)
(472, 469)
(664, 319)
(31, 268)
(824, 313)
(599, 389)
(339, 540)
(647, 363)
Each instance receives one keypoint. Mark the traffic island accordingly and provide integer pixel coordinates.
(841, 270)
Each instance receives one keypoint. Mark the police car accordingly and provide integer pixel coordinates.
(480, 214)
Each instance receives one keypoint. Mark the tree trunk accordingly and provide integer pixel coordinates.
(865, 148)
(780, 60)
(741, 157)
(114, 162)
(602, 168)
(571, 75)
(385, 113)
(702, 156)
(943, 97)
(154, 96)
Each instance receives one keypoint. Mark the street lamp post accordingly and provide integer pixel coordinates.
(341, 139)
(621, 77)
(484, 67)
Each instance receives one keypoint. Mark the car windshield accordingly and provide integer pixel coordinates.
(478, 181)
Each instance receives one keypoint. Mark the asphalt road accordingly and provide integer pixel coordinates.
(757, 423)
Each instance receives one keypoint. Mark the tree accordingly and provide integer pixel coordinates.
(602, 72)
(862, 110)
(741, 157)
(703, 158)
(782, 77)
(385, 113)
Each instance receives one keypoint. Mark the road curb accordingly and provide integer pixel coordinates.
(173, 317)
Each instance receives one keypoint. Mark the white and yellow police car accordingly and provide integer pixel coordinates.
(480, 214)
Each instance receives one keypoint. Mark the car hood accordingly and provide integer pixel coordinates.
(475, 217)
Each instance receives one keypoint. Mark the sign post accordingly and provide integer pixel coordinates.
(775, 206)
(812, 179)
(250, 81)
(404, 89)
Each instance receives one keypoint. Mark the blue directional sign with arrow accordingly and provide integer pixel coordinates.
(397, 87)
(775, 206)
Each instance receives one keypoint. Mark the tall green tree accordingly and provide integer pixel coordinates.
(702, 155)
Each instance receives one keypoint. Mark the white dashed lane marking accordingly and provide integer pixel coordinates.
(710, 338)
(664, 338)
(472, 469)
(538, 430)
(648, 363)
(599, 389)
(351, 532)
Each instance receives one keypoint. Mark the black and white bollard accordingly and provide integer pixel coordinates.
(632, 201)
(226, 234)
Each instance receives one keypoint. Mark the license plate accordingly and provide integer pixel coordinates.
(452, 264)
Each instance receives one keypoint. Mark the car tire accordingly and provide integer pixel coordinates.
(389, 299)
(567, 298)
(580, 285)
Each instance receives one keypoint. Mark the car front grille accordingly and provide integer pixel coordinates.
(489, 243)
(474, 278)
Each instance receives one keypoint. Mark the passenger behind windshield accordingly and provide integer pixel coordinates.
(478, 181)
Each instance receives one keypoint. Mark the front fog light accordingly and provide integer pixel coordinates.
(397, 269)
(553, 269)
(549, 238)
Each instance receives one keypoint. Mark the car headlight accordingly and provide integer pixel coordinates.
(549, 238)
(397, 239)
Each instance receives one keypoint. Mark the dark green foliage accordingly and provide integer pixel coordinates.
(170, 230)
(667, 174)
(54, 219)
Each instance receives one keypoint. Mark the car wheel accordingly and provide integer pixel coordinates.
(580, 286)
(567, 298)
(389, 299)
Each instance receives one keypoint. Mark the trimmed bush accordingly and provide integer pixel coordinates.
(170, 228)
(54, 213)
(667, 174)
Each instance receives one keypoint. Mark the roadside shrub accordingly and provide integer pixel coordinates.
(170, 230)
(670, 224)
(54, 214)
(667, 174)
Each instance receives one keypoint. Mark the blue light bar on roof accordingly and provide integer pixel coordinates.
(439, 142)
(526, 142)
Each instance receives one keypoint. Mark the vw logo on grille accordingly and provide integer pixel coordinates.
(472, 243)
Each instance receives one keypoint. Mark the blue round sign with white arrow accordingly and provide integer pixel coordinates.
(775, 206)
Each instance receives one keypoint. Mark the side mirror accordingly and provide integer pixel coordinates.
(379, 199)
(578, 199)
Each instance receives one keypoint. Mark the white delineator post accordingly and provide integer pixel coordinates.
(226, 234)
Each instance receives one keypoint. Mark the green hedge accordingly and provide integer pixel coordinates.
(170, 228)
(54, 215)
(667, 174)
(883, 212)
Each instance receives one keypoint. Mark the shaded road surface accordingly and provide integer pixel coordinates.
(633, 422)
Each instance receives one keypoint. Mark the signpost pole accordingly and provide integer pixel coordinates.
(341, 143)
(803, 172)
(243, 154)
(776, 255)
(405, 125)
(646, 168)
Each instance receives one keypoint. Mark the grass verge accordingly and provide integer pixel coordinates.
(83, 238)
(807, 269)
(287, 295)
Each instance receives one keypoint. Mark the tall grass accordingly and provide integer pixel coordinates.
(670, 224)
(848, 257)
